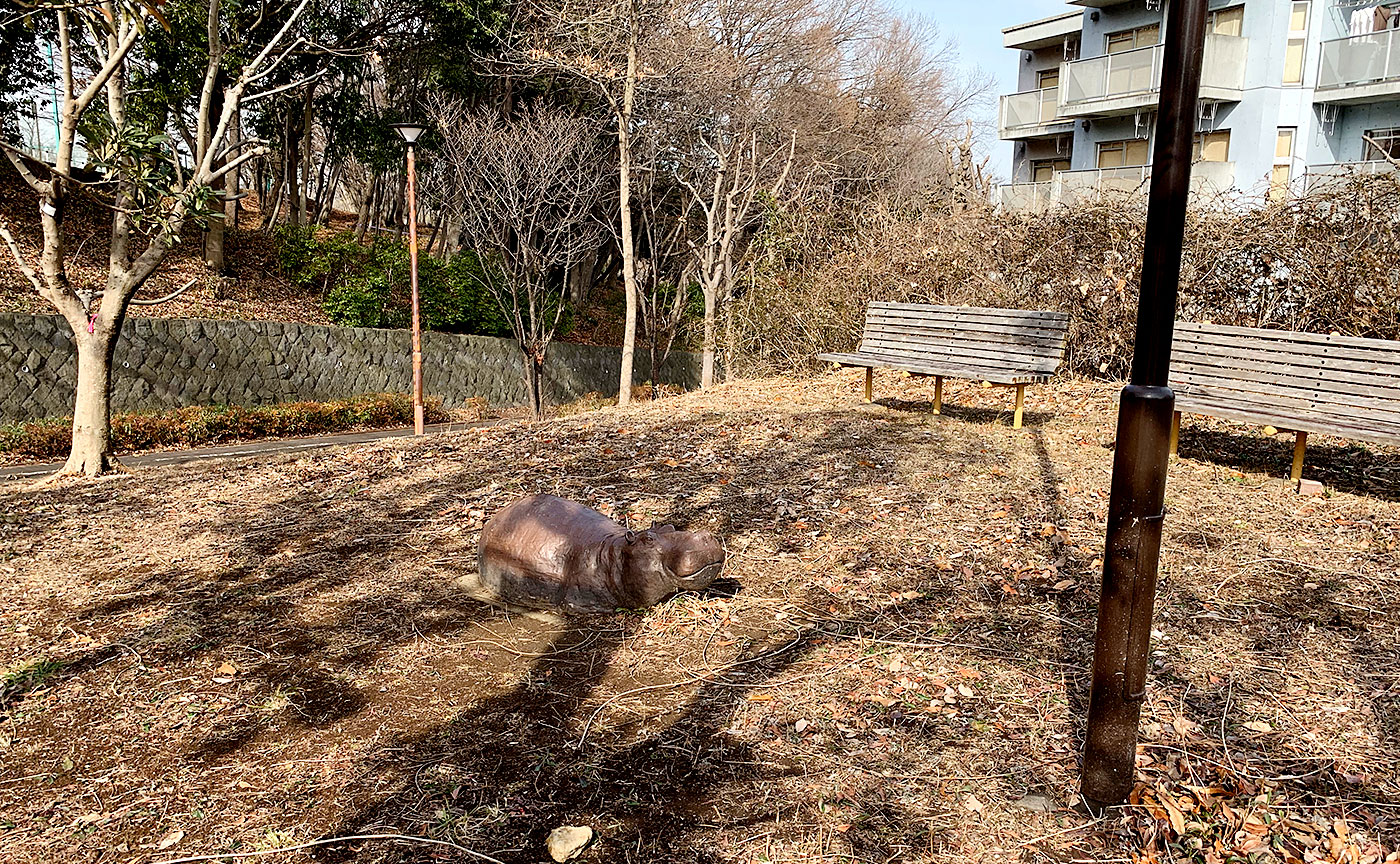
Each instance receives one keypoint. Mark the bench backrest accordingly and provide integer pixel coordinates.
(1021, 339)
(1284, 374)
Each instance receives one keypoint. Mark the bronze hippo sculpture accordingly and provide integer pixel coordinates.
(543, 551)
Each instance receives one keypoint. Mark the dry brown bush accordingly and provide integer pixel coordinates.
(1326, 263)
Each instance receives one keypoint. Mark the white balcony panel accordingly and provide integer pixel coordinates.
(1329, 178)
(1129, 81)
(1031, 114)
(1210, 181)
(1360, 69)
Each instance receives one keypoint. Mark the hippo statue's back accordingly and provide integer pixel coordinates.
(545, 551)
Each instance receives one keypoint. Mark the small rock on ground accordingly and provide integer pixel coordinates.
(568, 841)
(1035, 804)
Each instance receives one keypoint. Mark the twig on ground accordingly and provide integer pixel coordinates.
(403, 838)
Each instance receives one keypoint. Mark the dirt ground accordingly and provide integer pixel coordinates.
(249, 656)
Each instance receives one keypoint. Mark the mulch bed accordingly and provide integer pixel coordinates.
(248, 656)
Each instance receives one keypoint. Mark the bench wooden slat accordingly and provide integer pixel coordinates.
(1001, 324)
(1049, 315)
(965, 355)
(1305, 353)
(1341, 395)
(973, 333)
(1224, 390)
(946, 370)
(1257, 363)
(1265, 415)
(1293, 336)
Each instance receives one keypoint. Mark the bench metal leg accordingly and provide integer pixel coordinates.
(1300, 445)
(869, 383)
(938, 394)
(1020, 405)
(1176, 432)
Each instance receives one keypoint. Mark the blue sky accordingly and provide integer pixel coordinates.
(976, 28)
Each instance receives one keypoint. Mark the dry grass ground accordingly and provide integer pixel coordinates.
(248, 656)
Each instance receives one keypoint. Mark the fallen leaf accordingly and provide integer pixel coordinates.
(170, 839)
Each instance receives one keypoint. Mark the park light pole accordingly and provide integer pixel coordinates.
(410, 132)
(1135, 505)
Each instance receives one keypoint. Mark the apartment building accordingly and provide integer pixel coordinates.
(1295, 94)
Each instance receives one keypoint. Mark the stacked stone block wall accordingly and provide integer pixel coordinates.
(170, 363)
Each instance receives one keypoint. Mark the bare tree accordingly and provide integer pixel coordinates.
(150, 188)
(606, 44)
(526, 191)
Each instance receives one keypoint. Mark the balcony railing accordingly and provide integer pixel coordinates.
(1360, 60)
(1069, 188)
(1029, 112)
(1321, 178)
(1131, 78)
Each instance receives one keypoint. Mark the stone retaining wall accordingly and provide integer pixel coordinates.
(170, 363)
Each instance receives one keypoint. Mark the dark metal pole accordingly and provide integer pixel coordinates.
(1135, 512)
(413, 283)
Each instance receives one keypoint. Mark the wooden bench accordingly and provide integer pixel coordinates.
(1008, 347)
(1303, 382)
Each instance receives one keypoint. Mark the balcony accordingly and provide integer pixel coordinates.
(1128, 82)
(1032, 114)
(1209, 180)
(1330, 178)
(1360, 69)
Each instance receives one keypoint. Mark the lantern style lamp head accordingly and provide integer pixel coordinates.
(409, 132)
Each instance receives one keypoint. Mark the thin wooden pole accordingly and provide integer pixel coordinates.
(869, 384)
(938, 395)
(1176, 432)
(1020, 405)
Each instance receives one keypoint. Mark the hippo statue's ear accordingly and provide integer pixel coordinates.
(631, 537)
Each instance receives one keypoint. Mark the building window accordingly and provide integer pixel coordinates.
(1044, 170)
(1129, 40)
(1124, 154)
(1226, 22)
(1282, 175)
(1296, 52)
(1048, 78)
(1211, 147)
(1381, 144)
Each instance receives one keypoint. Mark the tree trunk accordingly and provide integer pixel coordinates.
(307, 126)
(707, 356)
(292, 157)
(581, 279)
(214, 227)
(624, 189)
(534, 386)
(92, 420)
(235, 137)
(366, 208)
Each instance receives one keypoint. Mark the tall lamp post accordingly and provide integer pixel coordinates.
(410, 132)
(1135, 513)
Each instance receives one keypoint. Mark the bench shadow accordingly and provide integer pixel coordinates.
(966, 413)
(1353, 468)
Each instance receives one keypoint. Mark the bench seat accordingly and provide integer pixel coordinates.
(1303, 382)
(1009, 347)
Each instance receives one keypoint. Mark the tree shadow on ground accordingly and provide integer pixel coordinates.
(966, 413)
(1351, 468)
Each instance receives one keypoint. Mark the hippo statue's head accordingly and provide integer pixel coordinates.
(662, 560)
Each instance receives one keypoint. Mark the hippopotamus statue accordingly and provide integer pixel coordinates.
(545, 551)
